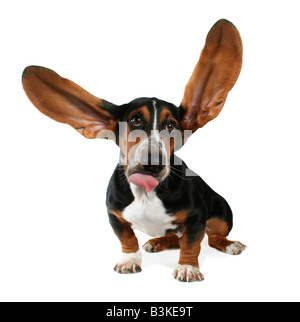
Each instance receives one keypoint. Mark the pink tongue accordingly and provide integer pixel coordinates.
(143, 180)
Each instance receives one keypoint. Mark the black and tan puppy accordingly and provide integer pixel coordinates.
(151, 189)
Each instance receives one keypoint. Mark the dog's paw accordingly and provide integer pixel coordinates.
(130, 263)
(156, 245)
(187, 273)
(152, 246)
(235, 248)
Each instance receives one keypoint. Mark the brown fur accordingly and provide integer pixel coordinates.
(217, 230)
(129, 242)
(189, 253)
(169, 241)
(128, 147)
(214, 75)
(56, 97)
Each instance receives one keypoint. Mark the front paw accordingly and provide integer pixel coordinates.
(187, 273)
(130, 263)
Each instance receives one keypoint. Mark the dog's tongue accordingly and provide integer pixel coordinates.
(143, 180)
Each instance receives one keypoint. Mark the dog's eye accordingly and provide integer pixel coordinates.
(136, 120)
(170, 126)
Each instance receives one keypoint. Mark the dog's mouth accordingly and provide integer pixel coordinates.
(144, 178)
(147, 181)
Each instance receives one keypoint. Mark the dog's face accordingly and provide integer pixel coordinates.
(147, 130)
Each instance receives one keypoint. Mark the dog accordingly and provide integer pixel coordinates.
(151, 189)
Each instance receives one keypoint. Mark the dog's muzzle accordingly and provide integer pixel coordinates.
(150, 169)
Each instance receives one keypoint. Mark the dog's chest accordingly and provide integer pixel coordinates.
(147, 214)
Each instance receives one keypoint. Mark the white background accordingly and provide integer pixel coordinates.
(56, 243)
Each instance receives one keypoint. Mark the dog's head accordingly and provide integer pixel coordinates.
(147, 130)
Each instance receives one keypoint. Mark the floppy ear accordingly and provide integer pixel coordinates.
(66, 102)
(214, 76)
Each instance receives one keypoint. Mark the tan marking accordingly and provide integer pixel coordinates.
(166, 115)
(118, 214)
(129, 242)
(129, 148)
(170, 141)
(123, 144)
(180, 217)
(217, 230)
(163, 115)
(189, 253)
(217, 225)
(142, 110)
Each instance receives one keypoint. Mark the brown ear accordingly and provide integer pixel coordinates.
(214, 76)
(66, 102)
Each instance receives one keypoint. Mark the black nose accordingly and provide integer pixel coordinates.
(153, 168)
(152, 163)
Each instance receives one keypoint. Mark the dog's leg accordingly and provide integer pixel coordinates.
(188, 266)
(217, 229)
(155, 245)
(132, 257)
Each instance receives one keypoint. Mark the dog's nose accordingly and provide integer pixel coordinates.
(152, 163)
(153, 168)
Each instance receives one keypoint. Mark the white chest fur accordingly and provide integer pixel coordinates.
(147, 213)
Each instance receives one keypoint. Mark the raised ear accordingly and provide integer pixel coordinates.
(214, 76)
(66, 102)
